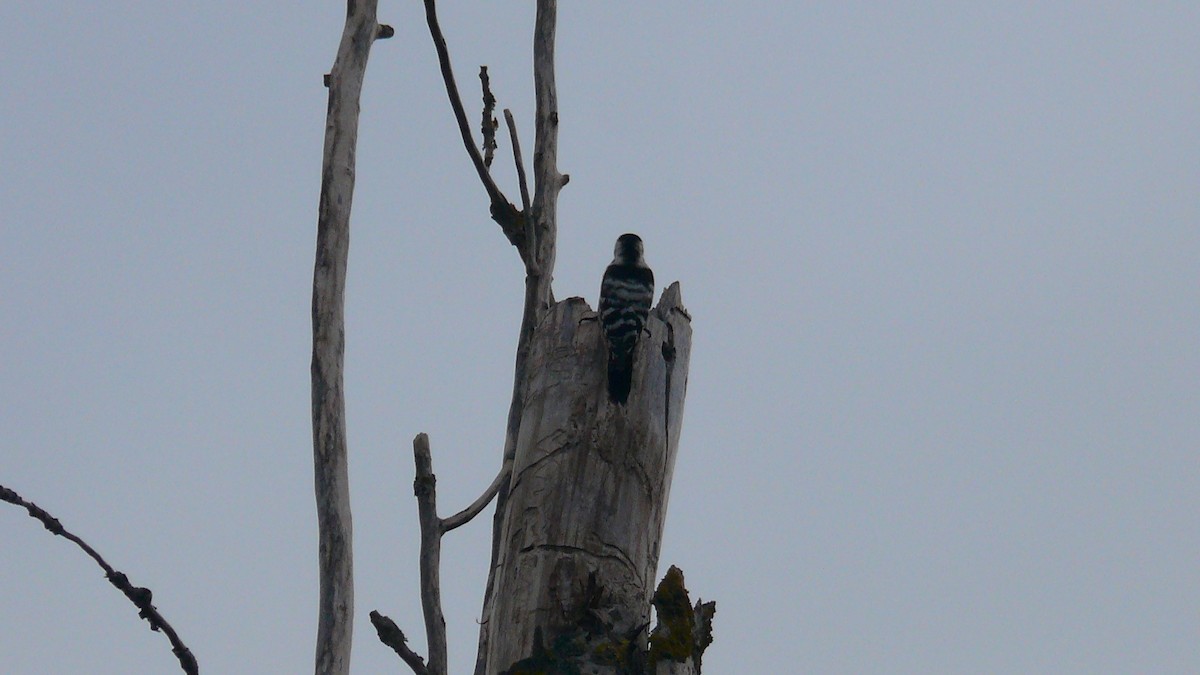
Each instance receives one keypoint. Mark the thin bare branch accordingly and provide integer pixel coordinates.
(520, 162)
(503, 212)
(141, 597)
(489, 124)
(548, 182)
(466, 515)
(391, 635)
(336, 604)
(425, 489)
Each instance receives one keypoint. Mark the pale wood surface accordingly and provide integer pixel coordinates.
(590, 482)
(335, 620)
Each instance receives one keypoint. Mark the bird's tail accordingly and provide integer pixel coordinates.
(620, 377)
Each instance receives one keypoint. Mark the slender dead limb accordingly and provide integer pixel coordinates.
(520, 162)
(530, 236)
(141, 597)
(425, 489)
(503, 212)
(488, 125)
(331, 480)
(548, 182)
(466, 515)
(391, 635)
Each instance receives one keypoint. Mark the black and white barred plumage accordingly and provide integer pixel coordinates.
(625, 296)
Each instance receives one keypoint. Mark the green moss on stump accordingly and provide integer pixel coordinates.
(682, 633)
(674, 636)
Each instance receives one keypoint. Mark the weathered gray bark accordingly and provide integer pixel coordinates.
(336, 605)
(431, 552)
(589, 488)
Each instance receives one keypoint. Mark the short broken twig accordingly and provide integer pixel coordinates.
(139, 596)
(391, 635)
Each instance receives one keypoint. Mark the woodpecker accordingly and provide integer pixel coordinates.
(626, 292)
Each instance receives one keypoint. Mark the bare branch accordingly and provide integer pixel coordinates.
(432, 528)
(466, 515)
(520, 162)
(548, 181)
(503, 212)
(489, 124)
(425, 489)
(391, 635)
(336, 605)
(141, 597)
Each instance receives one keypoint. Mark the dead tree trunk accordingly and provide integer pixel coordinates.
(588, 494)
(582, 491)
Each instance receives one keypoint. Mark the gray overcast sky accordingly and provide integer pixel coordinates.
(943, 261)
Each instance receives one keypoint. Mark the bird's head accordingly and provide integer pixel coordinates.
(628, 250)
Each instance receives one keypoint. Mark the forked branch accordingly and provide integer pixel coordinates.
(425, 489)
(503, 212)
(432, 529)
